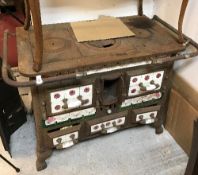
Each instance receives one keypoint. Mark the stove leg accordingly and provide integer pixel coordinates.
(41, 159)
(158, 126)
(159, 129)
(43, 149)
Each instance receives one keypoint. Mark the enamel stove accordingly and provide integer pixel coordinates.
(115, 84)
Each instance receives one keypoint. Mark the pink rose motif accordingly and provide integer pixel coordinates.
(158, 95)
(51, 119)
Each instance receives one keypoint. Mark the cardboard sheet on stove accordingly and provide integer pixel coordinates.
(103, 28)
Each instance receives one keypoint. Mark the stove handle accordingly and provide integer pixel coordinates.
(152, 86)
(111, 129)
(78, 102)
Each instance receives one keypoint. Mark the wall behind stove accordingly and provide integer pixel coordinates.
(168, 10)
(75, 10)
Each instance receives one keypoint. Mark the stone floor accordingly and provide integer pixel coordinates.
(136, 151)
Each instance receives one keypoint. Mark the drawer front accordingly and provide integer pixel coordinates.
(71, 98)
(107, 124)
(145, 115)
(143, 83)
(65, 137)
(147, 118)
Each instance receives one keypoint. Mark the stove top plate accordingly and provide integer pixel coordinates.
(62, 52)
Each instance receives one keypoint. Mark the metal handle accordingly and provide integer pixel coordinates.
(83, 102)
(30, 83)
(66, 144)
(152, 86)
(109, 130)
(147, 121)
(74, 103)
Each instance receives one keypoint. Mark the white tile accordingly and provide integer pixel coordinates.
(146, 115)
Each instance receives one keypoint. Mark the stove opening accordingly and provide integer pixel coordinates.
(102, 43)
(110, 92)
(107, 45)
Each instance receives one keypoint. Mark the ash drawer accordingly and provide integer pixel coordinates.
(107, 124)
(146, 115)
(65, 137)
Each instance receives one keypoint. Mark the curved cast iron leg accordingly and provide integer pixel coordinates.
(42, 155)
(43, 150)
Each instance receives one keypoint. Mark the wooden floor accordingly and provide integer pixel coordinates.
(136, 151)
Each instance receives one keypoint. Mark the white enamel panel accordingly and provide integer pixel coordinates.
(157, 79)
(112, 130)
(126, 103)
(76, 115)
(71, 115)
(57, 107)
(73, 103)
(137, 100)
(134, 90)
(72, 93)
(149, 121)
(86, 90)
(57, 96)
(146, 78)
(68, 144)
(65, 138)
(120, 121)
(91, 111)
(146, 116)
(135, 80)
(87, 94)
(107, 124)
(150, 97)
(141, 99)
(62, 118)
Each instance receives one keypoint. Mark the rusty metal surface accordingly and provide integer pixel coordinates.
(191, 50)
(34, 7)
(63, 52)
